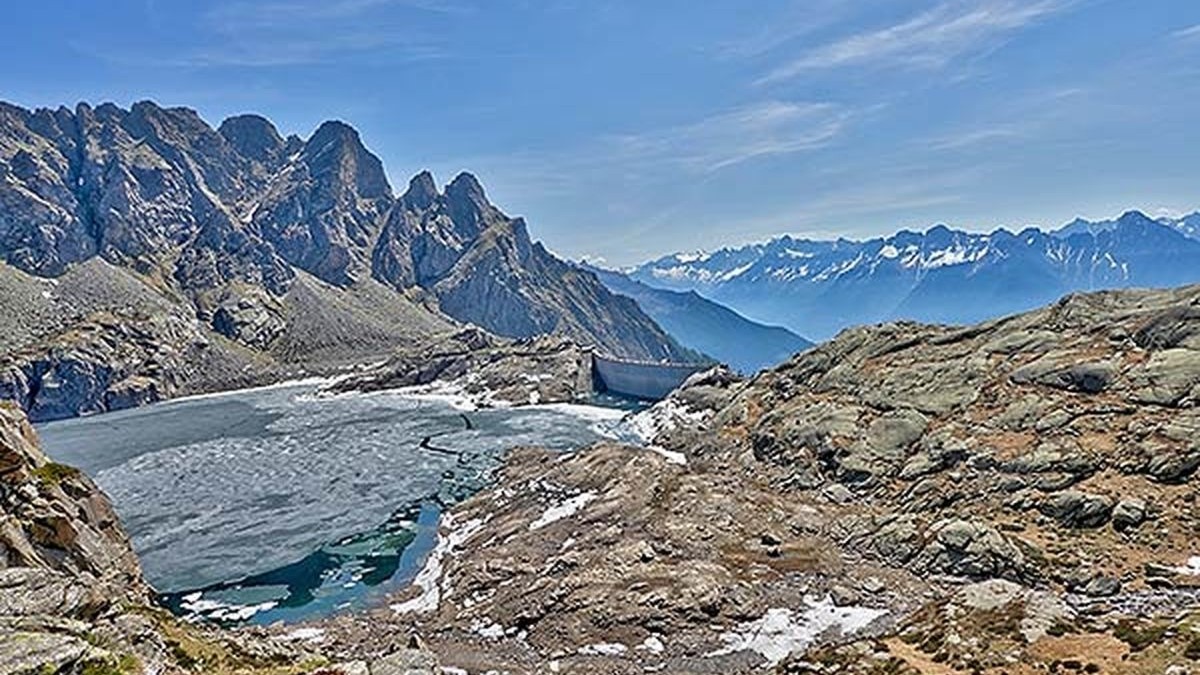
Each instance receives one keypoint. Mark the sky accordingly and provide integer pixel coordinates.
(624, 130)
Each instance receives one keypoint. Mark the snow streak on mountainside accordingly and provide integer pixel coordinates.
(816, 288)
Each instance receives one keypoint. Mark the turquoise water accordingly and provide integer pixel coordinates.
(279, 505)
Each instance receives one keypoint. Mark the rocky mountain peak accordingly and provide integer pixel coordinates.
(468, 206)
(422, 192)
(158, 191)
(335, 147)
(466, 185)
(1134, 218)
(253, 136)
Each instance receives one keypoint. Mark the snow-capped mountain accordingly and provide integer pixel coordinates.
(816, 288)
(1189, 225)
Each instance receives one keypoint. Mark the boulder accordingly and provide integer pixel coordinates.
(1077, 509)
(1129, 513)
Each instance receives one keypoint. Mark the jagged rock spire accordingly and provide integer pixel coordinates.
(422, 192)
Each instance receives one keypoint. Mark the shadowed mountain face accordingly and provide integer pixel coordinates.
(264, 250)
(820, 287)
(708, 327)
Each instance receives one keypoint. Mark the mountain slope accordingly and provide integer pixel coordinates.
(820, 287)
(708, 327)
(249, 256)
(483, 267)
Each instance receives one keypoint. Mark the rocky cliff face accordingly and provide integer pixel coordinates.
(483, 268)
(1014, 496)
(278, 255)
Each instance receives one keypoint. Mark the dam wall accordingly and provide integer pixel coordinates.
(640, 379)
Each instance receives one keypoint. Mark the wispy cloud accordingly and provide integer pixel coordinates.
(1189, 33)
(800, 20)
(930, 39)
(297, 32)
(764, 129)
(974, 137)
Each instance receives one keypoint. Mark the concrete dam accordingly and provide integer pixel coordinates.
(647, 380)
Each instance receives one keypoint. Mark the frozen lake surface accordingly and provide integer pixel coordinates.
(278, 504)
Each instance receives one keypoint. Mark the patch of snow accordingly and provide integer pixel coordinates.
(304, 635)
(430, 579)
(671, 455)
(697, 256)
(304, 381)
(889, 251)
(604, 649)
(198, 607)
(453, 394)
(666, 415)
(652, 644)
(585, 412)
(955, 255)
(1190, 568)
(782, 631)
(563, 510)
(735, 272)
(487, 628)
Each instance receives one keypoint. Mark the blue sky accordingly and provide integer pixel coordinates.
(624, 130)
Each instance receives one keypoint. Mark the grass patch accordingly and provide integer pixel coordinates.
(53, 473)
(1139, 637)
(125, 665)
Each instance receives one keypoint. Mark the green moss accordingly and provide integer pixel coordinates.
(53, 473)
(126, 665)
(1139, 637)
(1059, 629)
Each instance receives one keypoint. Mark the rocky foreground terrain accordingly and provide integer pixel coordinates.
(145, 254)
(1017, 496)
(1013, 497)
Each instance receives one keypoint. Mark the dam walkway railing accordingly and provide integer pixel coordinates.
(649, 380)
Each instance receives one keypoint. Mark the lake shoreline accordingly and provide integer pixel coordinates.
(321, 577)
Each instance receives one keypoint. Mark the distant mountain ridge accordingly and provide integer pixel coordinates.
(273, 253)
(709, 327)
(817, 288)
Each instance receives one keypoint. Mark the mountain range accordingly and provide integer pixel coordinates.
(146, 253)
(817, 288)
(708, 327)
